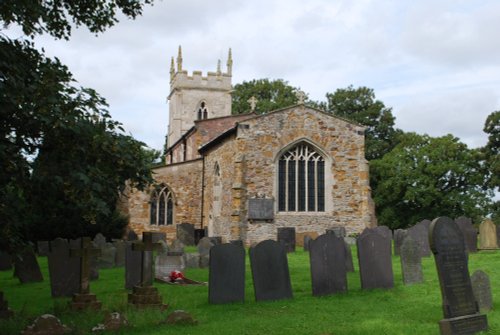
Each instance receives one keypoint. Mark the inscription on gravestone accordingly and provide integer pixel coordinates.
(420, 233)
(261, 209)
(226, 280)
(459, 305)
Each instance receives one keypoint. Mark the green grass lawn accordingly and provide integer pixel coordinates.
(403, 310)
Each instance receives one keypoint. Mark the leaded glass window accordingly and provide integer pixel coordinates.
(162, 207)
(203, 111)
(301, 180)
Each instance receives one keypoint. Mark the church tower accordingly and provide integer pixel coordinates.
(197, 97)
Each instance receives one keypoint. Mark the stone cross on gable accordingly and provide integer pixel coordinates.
(146, 247)
(253, 103)
(301, 96)
(85, 253)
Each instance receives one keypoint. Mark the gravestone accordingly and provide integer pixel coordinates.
(271, 278)
(328, 266)
(159, 236)
(165, 264)
(216, 240)
(26, 267)
(488, 235)
(199, 234)
(192, 260)
(286, 236)
(411, 262)
(482, 290)
(204, 247)
(384, 230)
(399, 236)
(375, 264)
(185, 233)
(106, 260)
(133, 264)
(84, 299)
(5, 311)
(120, 247)
(460, 309)
(420, 233)
(237, 242)
(5, 261)
(349, 266)
(307, 240)
(337, 231)
(176, 248)
(132, 236)
(226, 276)
(469, 232)
(100, 241)
(144, 294)
(64, 271)
(42, 248)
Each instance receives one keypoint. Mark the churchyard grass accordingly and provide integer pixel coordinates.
(404, 310)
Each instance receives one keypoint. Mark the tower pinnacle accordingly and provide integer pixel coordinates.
(172, 69)
(229, 63)
(179, 60)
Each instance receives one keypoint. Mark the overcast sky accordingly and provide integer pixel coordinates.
(436, 63)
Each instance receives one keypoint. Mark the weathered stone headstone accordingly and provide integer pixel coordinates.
(328, 265)
(42, 248)
(411, 262)
(349, 266)
(460, 308)
(383, 230)
(108, 255)
(165, 264)
(375, 264)
(5, 311)
(132, 236)
(469, 232)
(487, 235)
(26, 266)
(271, 278)
(337, 231)
(420, 233)
(100, 241)
(64, 271)
(185, 233)
(192, 260)
(204, 247)
(145, 295)
(482, 290)
(307, 240)
(84, 299)
(5, 261)
(133, 264)
(399, 236)
(226, 279)
(176, 248)
(286, 236)
(120, 247)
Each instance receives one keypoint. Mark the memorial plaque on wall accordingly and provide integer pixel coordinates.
(261, 209)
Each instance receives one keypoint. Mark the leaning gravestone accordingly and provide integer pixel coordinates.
(460, 308)
(226, 277)
(64, 271)
(375, 264)
(26, 266)
(185, 233)
(328, 270)
(411, 262)
(286, 236)
(133, 264)
(469, 232)
(349, 266)
(271, 278)
(5, 261)
(488, 235)
(482, 290)
(42, 248)
(399, 236)
(420, 233)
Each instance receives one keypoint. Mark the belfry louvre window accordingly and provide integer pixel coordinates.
(162, 208)
(301, 180)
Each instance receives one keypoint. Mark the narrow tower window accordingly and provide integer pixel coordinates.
(202, 111)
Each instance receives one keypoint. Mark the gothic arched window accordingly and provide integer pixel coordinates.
(162, 207)
(301, 180)
(203, 111)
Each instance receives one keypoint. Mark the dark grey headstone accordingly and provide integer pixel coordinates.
(42, 248)
(199, 234)
(349, 266)
(307, 240)
(420, 233)
(133, 266)
(120, 247)
(460, 308)
(226, 281)
(108, 255)
(375, 264)
(132, 236)
(337, 231)
(399, 236)
(482, 290)
(64, 271)
(237, 242)
(469, 232)
(260, 209)
(159, 236)
(384, 230)
(411, 262)
(216, 240)
(5, 261)
(271, 278)
(286, 236)
(26, 266)
(185, 233)
(328, 270)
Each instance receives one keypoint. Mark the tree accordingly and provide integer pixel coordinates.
(270, 95)
(359, 105)
(492, 150)
(56, 136)
(425, 177)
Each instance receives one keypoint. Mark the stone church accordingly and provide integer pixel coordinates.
(243, 176)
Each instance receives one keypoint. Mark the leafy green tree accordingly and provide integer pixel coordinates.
(425, 177)
(492, 150)
(270, 95)
(360, 105)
